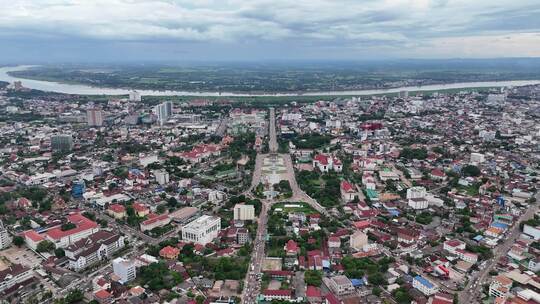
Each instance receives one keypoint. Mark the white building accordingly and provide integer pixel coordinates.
(358, 240)
(418, 203)
(416, 192)
(425, 286)
(532, 232)
(243, 212)
(163, 111)
(500, 286)
(416, 197)
(340, 285)
(202, 230)
(13, 275)
(147, 160)
(5, 238)
(477, 158)
(134, 96)
(124, 269)
(162, 177)
(90, 251)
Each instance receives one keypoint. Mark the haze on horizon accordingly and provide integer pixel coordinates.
(42, 31)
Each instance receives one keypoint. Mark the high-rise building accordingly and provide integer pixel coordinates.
(403, 94)
(124, 269)
(162, 176)
(61, 142)
(134, 96)
(163, 111)
(243, 212)
(5, 238)
(94, 117)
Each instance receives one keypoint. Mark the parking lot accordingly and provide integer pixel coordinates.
(22, 255)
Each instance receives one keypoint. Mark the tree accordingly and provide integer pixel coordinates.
(59, 253)
(313, 278)
(470, 170)
(199, 299)
(18, 240)
(45, 246)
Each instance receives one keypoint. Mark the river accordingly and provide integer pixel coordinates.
(50, 86)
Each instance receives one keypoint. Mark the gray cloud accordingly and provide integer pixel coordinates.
(280, 29)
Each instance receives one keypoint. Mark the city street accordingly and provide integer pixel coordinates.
(474, 286)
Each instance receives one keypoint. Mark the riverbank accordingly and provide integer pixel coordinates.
(70, 88)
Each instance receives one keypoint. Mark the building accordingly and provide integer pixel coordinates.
(78, 188)
(163, 111)
(418, 203)
(5, 238)
(403, 94)
(348, 191)
(416, 192)
(61, 142)
(124, 269)
(453, 246)
(135, 96)
(425, 286)
(326, 163)
(531, 232)
(94, 117)
(162, 177)
(169, 252)
(84, 227)
(270, 295)
(155, 221)
(103, 297)
(477, 158)
(117, 211)
(243, 212)
(202, 230)
(183, 215)
(500, 286)
(13, 276)
(358, 240)
(340, 285)
(93, 249)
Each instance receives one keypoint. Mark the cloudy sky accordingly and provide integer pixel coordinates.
(176, 30)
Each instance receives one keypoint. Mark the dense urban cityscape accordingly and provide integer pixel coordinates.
(405, 198)
(269, 152)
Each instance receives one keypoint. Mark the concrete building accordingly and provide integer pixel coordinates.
(416, 192)
(243, 212)
(162, 177)
(14, 275)
(135, 96)
(477, 158)
(90, 251)
(5, 238)
(124, 269)
(500, 286)
(340, 285)
(202, 230)
(425, 286)
(94, 117)
(163, 111)
(358, 240)
(61, 142)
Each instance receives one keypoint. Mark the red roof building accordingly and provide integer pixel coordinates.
(169, 252)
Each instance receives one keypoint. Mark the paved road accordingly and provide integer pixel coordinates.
(252, 283)
(469, 292)
(272, 143)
